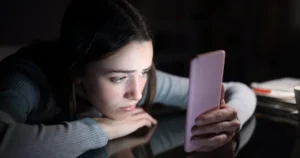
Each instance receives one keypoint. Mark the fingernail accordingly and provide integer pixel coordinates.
(194, 141)
(193, 131)
(199, 121)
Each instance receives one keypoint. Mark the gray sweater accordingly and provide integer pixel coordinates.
(22, 112)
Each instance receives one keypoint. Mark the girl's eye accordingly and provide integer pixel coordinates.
(118, 79)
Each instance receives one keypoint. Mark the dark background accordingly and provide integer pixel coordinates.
(261, 37)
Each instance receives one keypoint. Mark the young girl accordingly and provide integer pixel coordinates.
(63, 98)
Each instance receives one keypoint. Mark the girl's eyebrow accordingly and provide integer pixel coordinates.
(125, 71)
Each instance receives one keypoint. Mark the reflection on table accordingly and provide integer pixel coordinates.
(167, 140)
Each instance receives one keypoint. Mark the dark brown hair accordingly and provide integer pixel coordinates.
(92, 30)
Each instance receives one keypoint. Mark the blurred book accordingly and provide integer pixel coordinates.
(280, 89)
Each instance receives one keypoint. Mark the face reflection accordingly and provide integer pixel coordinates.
(115, 84)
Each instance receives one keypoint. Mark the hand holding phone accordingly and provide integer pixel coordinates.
(205, 85)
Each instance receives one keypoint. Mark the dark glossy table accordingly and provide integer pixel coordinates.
(259, 138)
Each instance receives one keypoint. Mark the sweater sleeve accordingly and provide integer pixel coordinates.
(19, 96)
(173, 90)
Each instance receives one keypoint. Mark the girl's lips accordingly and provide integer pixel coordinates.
(128, 108)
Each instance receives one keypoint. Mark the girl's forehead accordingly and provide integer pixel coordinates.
(133, 56)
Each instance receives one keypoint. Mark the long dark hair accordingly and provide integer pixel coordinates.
(92, 30)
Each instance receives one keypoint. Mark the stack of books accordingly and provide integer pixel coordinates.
(276, 97)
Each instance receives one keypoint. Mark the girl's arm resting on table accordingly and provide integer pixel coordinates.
(18, 97)
(173, 90)
(241, 98)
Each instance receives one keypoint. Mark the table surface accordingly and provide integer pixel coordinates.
(259, 138)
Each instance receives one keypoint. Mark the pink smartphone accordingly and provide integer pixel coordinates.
(205, 85)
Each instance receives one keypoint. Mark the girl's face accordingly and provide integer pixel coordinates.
(115, 84)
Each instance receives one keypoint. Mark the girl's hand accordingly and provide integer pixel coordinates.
(116, 129)
(216, 127)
